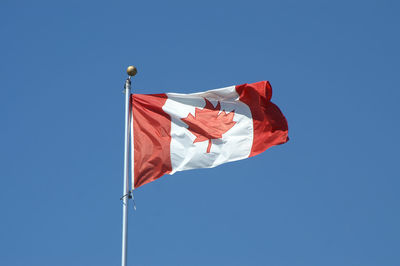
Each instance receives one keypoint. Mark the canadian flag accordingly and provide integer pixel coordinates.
(174, 132)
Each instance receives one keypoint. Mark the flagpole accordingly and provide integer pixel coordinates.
(126, 193)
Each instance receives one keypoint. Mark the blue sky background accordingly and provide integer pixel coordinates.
(330, 196)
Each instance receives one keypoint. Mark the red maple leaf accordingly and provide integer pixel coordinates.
(208, 123)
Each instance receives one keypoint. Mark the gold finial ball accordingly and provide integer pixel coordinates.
(131, 70)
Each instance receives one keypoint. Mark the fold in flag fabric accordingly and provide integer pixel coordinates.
(175, 132)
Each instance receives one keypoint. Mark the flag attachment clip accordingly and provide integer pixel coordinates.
(130, 196)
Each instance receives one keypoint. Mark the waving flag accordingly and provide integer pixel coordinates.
(175, 132)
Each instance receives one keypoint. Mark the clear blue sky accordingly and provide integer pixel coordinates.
(330, 196)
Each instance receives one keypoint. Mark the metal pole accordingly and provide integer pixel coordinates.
(126, 173)
(126, 194)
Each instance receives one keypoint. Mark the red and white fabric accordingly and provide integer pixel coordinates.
(175, 132)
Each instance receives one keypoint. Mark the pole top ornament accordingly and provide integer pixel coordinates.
(131, 70)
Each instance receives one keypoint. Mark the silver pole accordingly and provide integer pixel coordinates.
(126, 194)
(126, 173)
